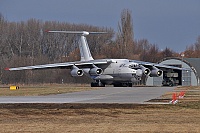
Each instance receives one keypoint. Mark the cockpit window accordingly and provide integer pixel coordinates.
(133, 66)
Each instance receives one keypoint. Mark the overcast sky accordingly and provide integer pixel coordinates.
(167, 23)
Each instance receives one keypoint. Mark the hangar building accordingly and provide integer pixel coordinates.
(178, 77)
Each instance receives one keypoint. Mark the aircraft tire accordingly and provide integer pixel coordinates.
(118, 85)
(122, 85)
(94, 84)
(130, 85)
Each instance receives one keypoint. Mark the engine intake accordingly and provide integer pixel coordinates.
(155, 72)
(145, 70)
(95, 71)
(76, 72)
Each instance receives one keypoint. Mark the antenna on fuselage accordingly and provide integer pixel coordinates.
(83, 45)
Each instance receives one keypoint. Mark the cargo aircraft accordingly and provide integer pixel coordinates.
(116, 72)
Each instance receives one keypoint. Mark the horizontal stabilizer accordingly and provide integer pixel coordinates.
(84, 33)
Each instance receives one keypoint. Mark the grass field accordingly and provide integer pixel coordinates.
(47, 89)
(51, 118)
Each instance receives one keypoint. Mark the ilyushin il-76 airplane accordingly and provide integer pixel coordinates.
(116, 72)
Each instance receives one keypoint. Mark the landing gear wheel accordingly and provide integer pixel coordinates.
(122, 85)
(130, 84)
(95, 84)
(117, 85)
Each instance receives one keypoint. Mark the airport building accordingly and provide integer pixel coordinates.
(178, 77)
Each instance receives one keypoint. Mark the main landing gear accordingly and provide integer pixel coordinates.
(119, 84)
(122, 84)
(97, 84)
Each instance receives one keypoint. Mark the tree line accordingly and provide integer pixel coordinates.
(26, 43)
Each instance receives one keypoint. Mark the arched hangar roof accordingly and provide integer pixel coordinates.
(192, 63)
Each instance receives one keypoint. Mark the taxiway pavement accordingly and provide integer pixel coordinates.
(136, 95)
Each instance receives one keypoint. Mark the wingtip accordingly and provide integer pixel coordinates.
(7, 69)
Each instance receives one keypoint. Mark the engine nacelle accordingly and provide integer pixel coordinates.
(95, 71)
(145, 70)
(155, 72)
(76, 72)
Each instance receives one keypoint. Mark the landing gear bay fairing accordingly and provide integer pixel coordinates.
(116, 72)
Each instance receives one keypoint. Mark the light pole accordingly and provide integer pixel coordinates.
(182, 55)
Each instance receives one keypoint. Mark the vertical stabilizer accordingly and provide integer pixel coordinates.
(84, 49)
(83, 45)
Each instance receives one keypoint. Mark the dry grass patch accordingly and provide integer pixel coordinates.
(36, 90)
(109, 118)
(98, 118)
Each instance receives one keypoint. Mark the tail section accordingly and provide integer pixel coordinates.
(84, 49)
(83, 45)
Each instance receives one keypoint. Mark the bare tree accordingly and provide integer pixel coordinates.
(193, 50)
(125, 34)
(24, 43)
(167, 52)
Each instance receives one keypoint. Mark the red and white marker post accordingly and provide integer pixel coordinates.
(174, 99)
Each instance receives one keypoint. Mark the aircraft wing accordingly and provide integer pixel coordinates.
(149, 64)
(66, 65)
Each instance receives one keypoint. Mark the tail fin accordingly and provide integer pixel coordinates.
(83, 45)
(84, 49)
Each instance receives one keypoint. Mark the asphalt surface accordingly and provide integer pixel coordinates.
(136, 95)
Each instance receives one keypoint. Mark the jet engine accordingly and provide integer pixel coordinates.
(95, 71)
(155, 72)
(76, 72)
(145, 70)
